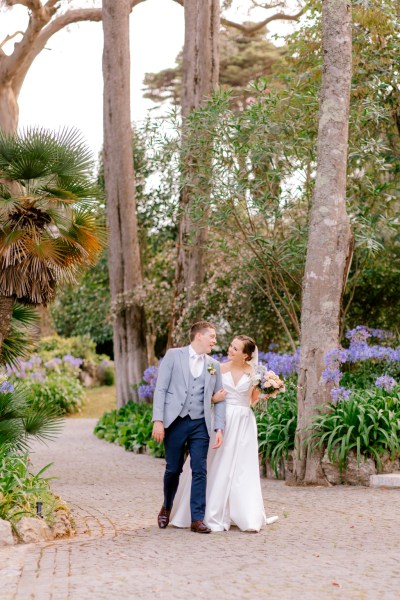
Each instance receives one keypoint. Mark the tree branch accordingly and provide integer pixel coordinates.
(10, 37)
(39, 31)
(257, 26)
(253, 28)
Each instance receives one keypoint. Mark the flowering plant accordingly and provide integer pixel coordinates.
(211, 369)
(268, 382)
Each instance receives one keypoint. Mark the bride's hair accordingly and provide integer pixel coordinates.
(249, 345)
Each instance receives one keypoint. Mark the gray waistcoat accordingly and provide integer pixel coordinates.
(194, 403)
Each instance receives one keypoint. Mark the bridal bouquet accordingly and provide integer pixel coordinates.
(268, 382)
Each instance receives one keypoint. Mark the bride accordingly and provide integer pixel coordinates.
(233, 481)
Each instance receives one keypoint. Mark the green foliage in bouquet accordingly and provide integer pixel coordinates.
(130, 427)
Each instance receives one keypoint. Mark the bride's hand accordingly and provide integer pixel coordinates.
(218, 396)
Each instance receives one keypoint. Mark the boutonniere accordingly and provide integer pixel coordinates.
(211, 369)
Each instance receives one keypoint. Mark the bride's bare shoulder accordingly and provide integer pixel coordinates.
(225, 367)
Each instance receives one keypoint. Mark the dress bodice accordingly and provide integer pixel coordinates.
(239, 394)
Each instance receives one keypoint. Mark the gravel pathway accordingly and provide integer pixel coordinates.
(337, 542)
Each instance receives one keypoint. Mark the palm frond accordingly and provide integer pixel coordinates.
(20, 340)
(19, 420)
(48, 227)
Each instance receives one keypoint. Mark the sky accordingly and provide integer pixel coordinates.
(64, 86)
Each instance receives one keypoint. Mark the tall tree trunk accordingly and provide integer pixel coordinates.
(329, 248)
(8, 109)
(199, 78)
(124, 255)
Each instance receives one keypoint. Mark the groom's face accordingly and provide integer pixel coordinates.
(206, 340)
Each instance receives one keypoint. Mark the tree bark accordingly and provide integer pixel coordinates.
(199, 79)
(329, 249)
(6, 310)
(124, 256)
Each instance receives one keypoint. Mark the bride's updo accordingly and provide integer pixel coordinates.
(249, 345)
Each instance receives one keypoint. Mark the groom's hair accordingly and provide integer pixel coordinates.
(200, 327)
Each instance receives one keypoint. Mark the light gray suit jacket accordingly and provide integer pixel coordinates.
(172, 385)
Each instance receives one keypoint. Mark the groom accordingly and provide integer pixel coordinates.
(186, 382)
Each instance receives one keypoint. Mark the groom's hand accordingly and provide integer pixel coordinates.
(158, 431)
(219, 438)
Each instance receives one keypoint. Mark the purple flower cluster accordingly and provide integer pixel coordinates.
(146, 390)
(360, 350)
(385, 382)
(340, 393)
(35, 369)
(6, 387)
(282, 364)
(73, 361)
(361, 333)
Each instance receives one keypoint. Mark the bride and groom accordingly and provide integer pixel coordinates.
(189, 382)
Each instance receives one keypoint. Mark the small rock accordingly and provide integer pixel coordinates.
(389, 465)
(358, 474)
(31, 529)
(331, 470)
(62, 525)
(86, 379)
(6, 536)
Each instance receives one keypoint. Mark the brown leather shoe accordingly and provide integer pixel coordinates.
(163, 518)
(199, 527)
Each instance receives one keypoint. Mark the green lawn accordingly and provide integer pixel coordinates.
(98, 401)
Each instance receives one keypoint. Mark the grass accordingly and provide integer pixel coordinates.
(98, 400)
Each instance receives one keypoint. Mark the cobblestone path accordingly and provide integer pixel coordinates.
(329, 542)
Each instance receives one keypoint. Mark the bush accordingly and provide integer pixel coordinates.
(277, 424)
(130, 427)
(367, 422)
(57, 346)
(20, 489)
(59, 391)
(108, 376)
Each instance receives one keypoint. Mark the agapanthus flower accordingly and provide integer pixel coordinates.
(340, 393)
(385, 382)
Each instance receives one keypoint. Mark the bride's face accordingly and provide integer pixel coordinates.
(235, 351)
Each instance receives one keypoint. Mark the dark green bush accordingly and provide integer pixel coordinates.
(276, 422)
(368, 422)
(130, 427)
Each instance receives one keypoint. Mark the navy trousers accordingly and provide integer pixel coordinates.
(193, 433)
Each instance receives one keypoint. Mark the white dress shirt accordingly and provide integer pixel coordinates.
(196, 362)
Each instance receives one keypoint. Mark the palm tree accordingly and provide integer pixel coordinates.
(49, 227)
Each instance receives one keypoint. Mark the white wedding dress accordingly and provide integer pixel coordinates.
(233, 477)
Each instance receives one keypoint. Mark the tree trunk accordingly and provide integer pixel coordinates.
(329, 248)
(199, 78)
(6, 310)
(124, 255)
(9, 110)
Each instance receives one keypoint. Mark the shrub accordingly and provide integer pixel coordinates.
(58, 391)
(131, 427)
(57, 346)
(277, 423)
(108, 376)
(368, 422)
(20, 489)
